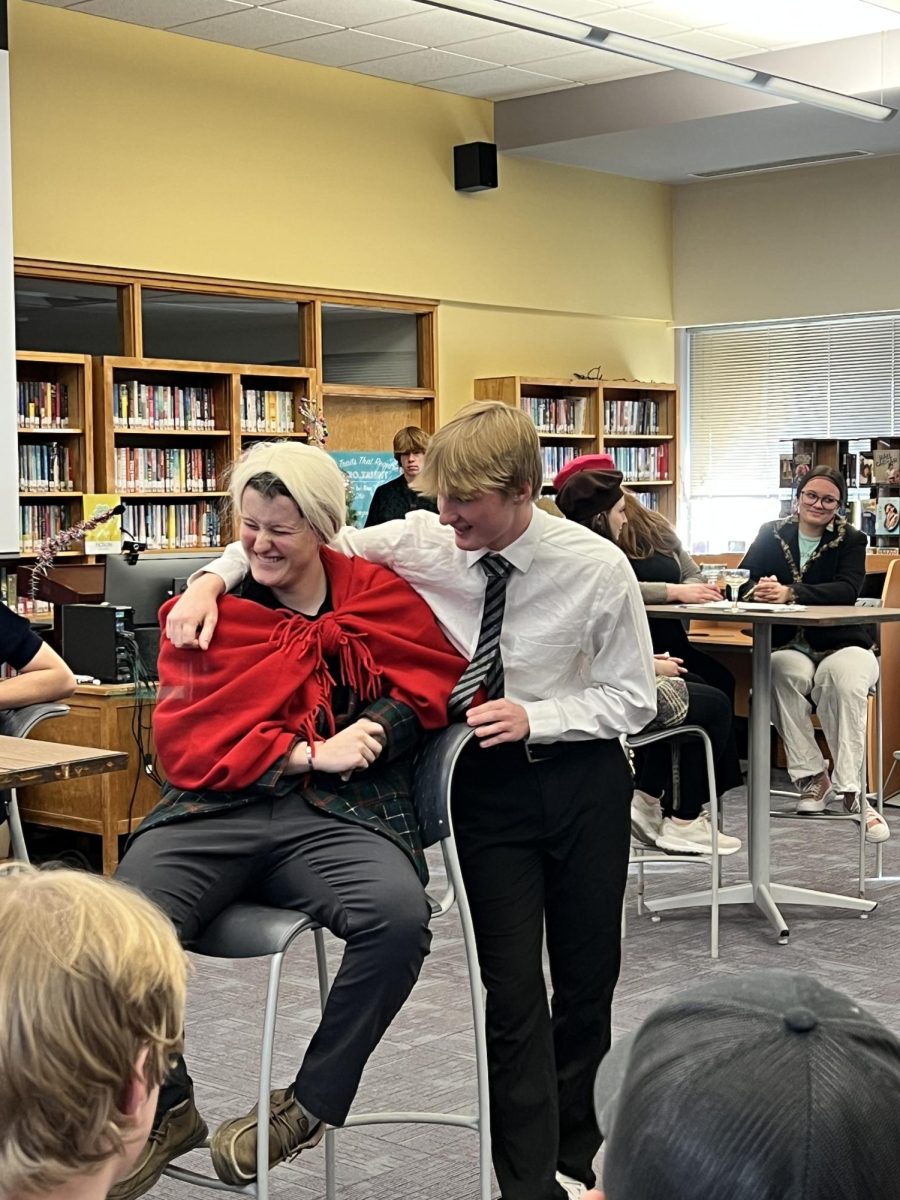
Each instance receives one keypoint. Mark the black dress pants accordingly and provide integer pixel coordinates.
(353, 881)
(544, 845)
(711, 710)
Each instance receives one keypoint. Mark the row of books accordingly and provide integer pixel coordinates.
(880, 465)
(42, 404)
(631, 416)
(556, 414)
(22, 604)
(642, 463)
(555, 458)
(175, 526)
(138, 405)
(648, 500)
(45, 467)
(173, 469)
(267, 410)
(37, 522)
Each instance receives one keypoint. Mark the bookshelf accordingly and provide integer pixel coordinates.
(55, 444)
(637, 423)
(167, 431)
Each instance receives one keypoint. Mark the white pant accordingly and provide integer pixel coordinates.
(839, 687)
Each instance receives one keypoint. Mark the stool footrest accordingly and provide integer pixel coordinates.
(465, 1120)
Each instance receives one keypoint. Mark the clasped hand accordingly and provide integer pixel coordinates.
(499, 721)
(353, 749)
(770, 591)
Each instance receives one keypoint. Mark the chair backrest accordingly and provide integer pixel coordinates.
(433, 774)
(19, 722)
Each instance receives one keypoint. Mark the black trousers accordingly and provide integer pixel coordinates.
(544, 845)
(711, 710)
(353, 881)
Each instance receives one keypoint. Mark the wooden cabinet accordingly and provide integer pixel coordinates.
(104, 805)
(56, 453)
(637, 423)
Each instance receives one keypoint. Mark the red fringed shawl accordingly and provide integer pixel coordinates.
(227, 714)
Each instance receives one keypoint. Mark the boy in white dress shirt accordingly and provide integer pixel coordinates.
(542, 794)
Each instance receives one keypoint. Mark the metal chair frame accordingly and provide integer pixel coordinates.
(253, 931)
(640, 857)
(19, 722)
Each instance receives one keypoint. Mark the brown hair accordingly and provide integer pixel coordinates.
(91, 976)
(486, 447)
(410, 440)
(831, 475)
(645, 532)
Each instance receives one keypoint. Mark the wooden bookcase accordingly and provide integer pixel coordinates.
(56, 455)
(637, 423)
(140, 456)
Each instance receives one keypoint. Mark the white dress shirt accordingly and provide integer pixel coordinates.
(575, 643)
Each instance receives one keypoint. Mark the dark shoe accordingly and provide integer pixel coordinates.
(180, 1129)
(233, 1145)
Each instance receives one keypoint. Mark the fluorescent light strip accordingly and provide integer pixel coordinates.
(506, 13)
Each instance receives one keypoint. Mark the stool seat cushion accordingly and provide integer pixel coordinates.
(252, 931)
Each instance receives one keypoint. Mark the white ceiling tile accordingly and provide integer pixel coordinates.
(710, 43)
(436, 27)
(344, 48)
(593, 66)
(502, 83)
(517, 46)
(697, 14)
(629, 20)
(161, 14)
(352, 13)
(567, 8)
(254, 28)
(422, 66)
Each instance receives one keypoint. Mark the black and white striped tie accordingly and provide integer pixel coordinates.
(486, 666)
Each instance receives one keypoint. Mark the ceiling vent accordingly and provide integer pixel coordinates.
(784, 164)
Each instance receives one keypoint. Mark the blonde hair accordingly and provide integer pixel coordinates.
(486, 447)
(305, 474)
(410, 440)
(646, 532)
(91, 975)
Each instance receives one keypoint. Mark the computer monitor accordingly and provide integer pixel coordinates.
(145, 586)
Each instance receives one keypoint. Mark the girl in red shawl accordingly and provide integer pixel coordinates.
(288, 749)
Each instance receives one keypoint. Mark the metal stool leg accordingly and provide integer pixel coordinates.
(16, 835)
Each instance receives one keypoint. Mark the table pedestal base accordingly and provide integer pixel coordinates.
(766, 898)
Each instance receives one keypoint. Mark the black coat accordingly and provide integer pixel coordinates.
(834, 574)
(392, 501)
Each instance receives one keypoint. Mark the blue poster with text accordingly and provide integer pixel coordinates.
(366, 470)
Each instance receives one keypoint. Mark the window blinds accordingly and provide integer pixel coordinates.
(752, 388)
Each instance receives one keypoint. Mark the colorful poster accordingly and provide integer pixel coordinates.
(106, 538)
(364, 470)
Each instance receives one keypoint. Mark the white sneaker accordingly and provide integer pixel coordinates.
(694, 838)
(646, 818)
(877, 828)
(573, 1188)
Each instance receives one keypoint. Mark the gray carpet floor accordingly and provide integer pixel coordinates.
(426, 1060)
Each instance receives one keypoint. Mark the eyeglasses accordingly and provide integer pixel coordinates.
(814, 498)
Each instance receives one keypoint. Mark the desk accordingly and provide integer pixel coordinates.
(758, 889)
(104, 715)
(24, 762)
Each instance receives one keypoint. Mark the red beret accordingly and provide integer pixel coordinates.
(584, 462)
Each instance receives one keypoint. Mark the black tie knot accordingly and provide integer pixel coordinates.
(495, 566)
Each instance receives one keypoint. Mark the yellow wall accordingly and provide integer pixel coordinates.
(137, 148)
(793, 243)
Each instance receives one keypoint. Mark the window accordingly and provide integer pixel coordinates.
(67, 316)
(211, 328)
(373, 347)
(752, 389)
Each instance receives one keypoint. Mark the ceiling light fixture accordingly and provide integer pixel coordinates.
(506, 13)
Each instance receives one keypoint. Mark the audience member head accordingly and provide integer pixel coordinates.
(92, 987)
(305, 475)
(759, 1086)
(838, 490)
(584, 462)
(646, 532)
(595, 499)
(410, 444)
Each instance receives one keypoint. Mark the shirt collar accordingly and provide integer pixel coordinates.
(521, 552)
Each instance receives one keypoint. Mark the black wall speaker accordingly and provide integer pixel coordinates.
(475, 166)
